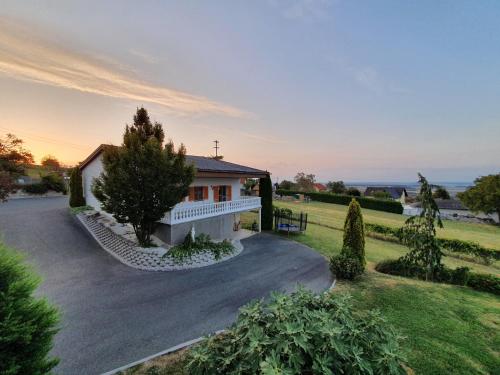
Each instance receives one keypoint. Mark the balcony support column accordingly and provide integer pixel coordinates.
(260, 219)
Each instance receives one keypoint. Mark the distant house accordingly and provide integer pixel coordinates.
(397, 193)
(319, 187)
(213, 205)
(452, 209)
(24, 180)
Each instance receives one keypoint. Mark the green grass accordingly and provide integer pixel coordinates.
(448, 329)
(334, 215)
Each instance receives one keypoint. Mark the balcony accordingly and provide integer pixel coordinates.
(186, 212)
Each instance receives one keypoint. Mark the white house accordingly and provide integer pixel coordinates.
(213, 205)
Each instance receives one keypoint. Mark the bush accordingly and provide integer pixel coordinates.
(301, 334)
(345, 267)
(459, 276)
(369, 203)
(76, 198)
(202, 244)
(38, 188)
(27, 324)
(54, 182)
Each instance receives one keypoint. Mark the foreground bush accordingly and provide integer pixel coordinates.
(27, 324)
(301, 334)
(459, 276)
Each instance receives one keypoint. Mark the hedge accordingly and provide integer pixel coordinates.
(369, 203)
(459, 276)
(456, 246)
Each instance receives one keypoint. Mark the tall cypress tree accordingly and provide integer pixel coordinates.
(76, 198)
(354, 233)
(266, 195)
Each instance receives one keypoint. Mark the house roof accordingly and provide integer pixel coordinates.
(205, 166)
(321, 187)
(445, 204)
(394, 191)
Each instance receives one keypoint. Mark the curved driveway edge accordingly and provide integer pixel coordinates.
(113, 314)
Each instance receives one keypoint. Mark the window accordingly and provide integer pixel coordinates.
(222, 193)
(198, 193)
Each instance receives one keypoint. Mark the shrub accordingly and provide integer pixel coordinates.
(364, 202)
(38, 188)
(202, 243)
(354, 234)
(345, 267)
(459, 276)
(76, 198)
(266, 194)
(353, 192)
(301, 334)
(27, 324)
(54, 182)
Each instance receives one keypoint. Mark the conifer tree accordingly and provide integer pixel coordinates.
(354, 233)
(266, 194)
(76, 198)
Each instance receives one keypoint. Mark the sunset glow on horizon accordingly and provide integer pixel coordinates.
(361, 92)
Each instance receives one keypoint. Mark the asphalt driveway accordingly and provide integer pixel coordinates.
(113, 315)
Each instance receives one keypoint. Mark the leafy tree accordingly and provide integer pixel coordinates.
(50, 162)
(419, 234)
(76, 198)
(266, 194)
(13, 158)
(381, 194)
(305, 182)
(336, 187)
(441, 193)
(354, 233)
(286, 185)
(142, 179)
(352, 191)
(27, 324)
(249, 184)
(484, 195)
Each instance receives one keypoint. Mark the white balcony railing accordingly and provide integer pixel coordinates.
(185, 212)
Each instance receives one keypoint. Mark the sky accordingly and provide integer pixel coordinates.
(346, 90)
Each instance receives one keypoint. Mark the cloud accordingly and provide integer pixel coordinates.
(144, 56)
(24, 55)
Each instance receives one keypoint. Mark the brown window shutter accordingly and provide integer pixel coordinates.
(191, 193)
(229, 192)
(216, 193)
(205, 193)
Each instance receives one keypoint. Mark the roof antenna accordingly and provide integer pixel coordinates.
(216, 148)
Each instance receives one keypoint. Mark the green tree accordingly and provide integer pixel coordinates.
(142, 179)
(13, 158)
(381, 194)
(336, 187)
(305, 182)
(27, 324)
(354, 233)
(484, 195)
(352, 191)
(441, 193)
(50, 162)
(76, 198)
(266, 194)
(419, 233)
(286, 185)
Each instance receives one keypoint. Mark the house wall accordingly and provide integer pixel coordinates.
(218, 227)
(94, 169)
(91, 171)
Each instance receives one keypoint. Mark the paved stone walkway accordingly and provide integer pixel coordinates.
(147, 259)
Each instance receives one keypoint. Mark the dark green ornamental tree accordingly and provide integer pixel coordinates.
(419, 234)
(76, 198)
(441, 193)
(266, 194)
(484, 196)
(143, 179)
(354, 233)
(27, 323)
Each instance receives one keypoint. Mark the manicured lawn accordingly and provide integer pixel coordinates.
(448, 329)
(334, 215)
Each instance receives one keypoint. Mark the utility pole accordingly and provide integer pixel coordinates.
(216, 148)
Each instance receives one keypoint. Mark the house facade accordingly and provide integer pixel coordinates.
(213, 205)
